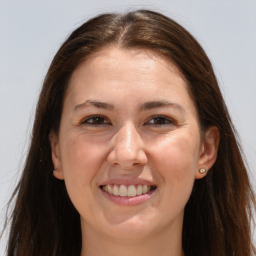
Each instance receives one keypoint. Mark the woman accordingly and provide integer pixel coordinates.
(133, 151)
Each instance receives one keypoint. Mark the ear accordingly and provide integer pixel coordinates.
(56, 159)
(208, 151)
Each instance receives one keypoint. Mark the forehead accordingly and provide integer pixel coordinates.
(136, 73)
(112, 58)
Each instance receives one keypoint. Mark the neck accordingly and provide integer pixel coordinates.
(161, 244)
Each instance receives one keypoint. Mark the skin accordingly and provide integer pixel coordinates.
(127, 141)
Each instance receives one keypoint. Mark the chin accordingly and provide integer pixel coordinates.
(132, 228)
(130, 232)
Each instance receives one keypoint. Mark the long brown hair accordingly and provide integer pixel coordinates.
(218, 214)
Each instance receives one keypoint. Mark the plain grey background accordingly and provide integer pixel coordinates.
(32, 31)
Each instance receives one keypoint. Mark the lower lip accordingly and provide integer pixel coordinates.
(125, 200)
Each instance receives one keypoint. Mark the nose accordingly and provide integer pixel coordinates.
(127, 149)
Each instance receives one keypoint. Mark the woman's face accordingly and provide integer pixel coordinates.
(129, 146)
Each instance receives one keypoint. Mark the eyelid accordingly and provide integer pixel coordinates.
(84, 121)
(169, 120)
(104, 121)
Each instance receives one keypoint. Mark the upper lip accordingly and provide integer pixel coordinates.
(127, 181)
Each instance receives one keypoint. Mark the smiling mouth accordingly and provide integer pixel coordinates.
(128, 191)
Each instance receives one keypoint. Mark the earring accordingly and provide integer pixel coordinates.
(202, 171)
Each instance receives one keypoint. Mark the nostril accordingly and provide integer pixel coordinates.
(127, 148)
(127, 160)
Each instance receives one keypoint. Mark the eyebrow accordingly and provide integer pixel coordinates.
(144, 107)
(159, 104)
(96, 104)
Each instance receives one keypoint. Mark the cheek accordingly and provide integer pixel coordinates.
(175, 159)
(177, 153)
(80, 162)
(79, 155)
(176, 164)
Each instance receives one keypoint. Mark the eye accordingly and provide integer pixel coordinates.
(96, 121)
(159, 121)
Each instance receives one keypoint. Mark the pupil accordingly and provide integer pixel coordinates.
(99, 120)
(159, 120)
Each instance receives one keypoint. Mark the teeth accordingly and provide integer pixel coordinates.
(115, 190)
(139, 190)
(109, 189)
(131, 191)
(128, 191)
(122, 190)
(145, 189)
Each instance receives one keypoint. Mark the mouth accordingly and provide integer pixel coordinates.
(128, 191)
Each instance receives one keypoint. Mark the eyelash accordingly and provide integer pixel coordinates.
(99, 120)
(161, 121)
